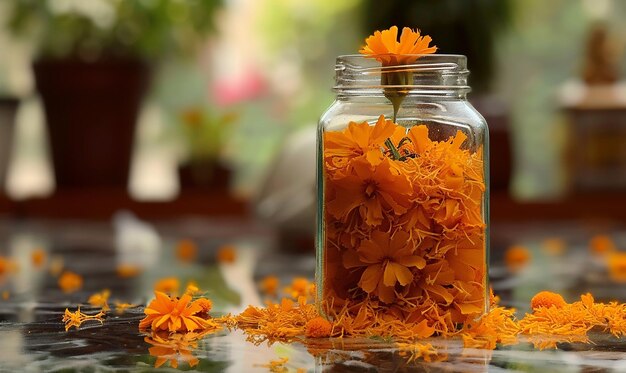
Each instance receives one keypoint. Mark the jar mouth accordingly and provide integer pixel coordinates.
(439, 73)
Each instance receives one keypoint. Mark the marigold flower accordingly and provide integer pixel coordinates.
(38, 257)
(127, 270)
(517, 257)
(172, 314)
(226, 254)
(547, 299)
(371, 190)
(384, 46)
(70, 282)
(299, 288)
(318, 327)
(616, 263)
(6, 266)
(269, 285)
(356, 141)
(100, 299)
(601, 244)
(186, 250)
(388, 259)
(168, 285)
(5, 295)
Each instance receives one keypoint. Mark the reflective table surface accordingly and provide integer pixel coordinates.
(33, 337)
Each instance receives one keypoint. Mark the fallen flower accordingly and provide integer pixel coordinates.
(186, 251)
(70, 282)
(601, 244)
(38, 257)
(616, 263)
(100, 300)
(517, 257)
(127, 270)
(175, 315)
(547, 299)
(269, 285)
(226, 254)
(318, 327)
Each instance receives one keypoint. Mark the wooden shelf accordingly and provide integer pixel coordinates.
(102, 204)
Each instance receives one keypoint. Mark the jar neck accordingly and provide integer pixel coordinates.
(432, 75)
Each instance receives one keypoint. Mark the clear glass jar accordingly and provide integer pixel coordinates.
(403, 209)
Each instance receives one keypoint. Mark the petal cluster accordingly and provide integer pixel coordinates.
(385, 47)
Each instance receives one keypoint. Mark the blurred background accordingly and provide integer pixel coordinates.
(170, 109)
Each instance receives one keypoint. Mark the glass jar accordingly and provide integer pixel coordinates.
(403, 209)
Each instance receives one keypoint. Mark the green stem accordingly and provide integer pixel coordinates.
(396, 94)
(394, 152)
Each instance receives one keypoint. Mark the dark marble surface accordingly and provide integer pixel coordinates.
(33, 338)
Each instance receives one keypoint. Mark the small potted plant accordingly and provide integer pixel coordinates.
(92, 69)
(204, 135)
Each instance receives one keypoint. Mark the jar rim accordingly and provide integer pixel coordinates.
(431, 74)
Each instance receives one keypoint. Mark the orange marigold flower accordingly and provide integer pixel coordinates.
(547, 299)
(226, 254)
(127, 270)
(358, 140)
(70, 282)
(205, 305)
(172, 314)
(385, 47)
(371, 190)
(299, 288)
(100, 299)
(6, 266)
(389, 259)
(5, 295)
(517, 257)
(318, 327)
(601, 244)
(186, 250)
(269, 285)
(168, 285)
(617, 266)
(38, 257)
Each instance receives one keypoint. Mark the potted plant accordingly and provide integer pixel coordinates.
(204, 135)
(92, 69)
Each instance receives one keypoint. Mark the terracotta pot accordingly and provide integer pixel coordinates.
(91, 111)
(8, 108)
(211, 175)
